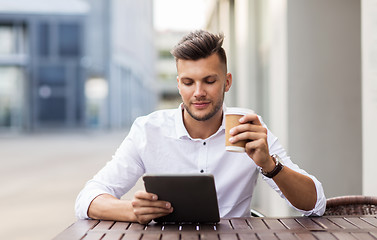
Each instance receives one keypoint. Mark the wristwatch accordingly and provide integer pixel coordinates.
(278, 167)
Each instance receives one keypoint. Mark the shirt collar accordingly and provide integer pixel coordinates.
(181, 129)
(179, 126)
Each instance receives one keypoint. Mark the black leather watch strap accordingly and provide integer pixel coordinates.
(278, 167)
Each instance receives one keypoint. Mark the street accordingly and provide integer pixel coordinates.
(41, 175)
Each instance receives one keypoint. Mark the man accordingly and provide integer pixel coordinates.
(191, 139)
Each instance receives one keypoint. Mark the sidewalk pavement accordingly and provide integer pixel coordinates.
(41, 175)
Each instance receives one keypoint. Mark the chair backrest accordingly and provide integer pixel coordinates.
(255, 213)
(351, 205)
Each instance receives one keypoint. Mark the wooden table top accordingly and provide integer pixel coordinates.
(327, 227)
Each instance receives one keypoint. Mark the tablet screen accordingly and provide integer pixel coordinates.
(193, 196)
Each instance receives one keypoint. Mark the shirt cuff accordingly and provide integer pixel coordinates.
(84, 200)
(320, 205)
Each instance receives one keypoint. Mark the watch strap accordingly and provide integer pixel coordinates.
(278, 167)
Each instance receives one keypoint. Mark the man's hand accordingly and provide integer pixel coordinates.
(146, 207)
(255, 134)
(297, 188)
(143, 208)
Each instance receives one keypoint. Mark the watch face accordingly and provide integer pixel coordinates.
(278, 167)
(278, 159)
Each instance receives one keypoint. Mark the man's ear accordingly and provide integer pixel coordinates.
(228, 82)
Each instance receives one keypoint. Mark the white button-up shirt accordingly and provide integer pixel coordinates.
(160, 143)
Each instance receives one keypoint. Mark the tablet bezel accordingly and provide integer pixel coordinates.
(193, 196)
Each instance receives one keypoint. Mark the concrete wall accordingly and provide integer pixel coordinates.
(369, 90)
(298, 64)
(324, 91)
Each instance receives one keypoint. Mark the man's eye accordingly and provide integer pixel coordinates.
(211, 81)
(188, 83)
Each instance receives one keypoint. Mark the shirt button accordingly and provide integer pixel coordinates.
(202, 171)
(204, 143)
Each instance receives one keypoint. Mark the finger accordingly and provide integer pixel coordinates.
(253, 118)
(152, 210)
(247, 127)
(147, 203)
(145, 215)
(145, 195)
(248, 136)
(146, 218)
(256, 144)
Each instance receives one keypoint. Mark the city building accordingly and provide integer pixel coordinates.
(132, 58)
(75, 63)
(42, 79)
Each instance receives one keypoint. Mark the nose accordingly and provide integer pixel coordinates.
(199, 91)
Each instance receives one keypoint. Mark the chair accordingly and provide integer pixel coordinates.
(255, 213)
(351, 205)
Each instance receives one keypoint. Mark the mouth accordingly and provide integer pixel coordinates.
(200, 105)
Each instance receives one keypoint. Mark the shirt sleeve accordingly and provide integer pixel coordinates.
(117, 177)
(276, 148)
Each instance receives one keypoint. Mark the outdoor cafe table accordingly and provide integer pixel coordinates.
(327, 227)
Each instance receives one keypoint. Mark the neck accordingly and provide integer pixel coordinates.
(202, 129)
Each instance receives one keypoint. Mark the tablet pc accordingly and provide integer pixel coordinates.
(193, 196)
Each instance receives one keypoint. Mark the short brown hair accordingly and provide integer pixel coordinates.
(199, 44)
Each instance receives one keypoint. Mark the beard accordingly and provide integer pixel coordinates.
(209, 115)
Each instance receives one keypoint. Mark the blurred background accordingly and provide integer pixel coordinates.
(75, 74)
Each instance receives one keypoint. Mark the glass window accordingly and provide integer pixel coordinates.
(52, 109)
(43, 39)
(12, 39)
(11, 94)
(7, 43)
(69, 40)
(52, 75)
